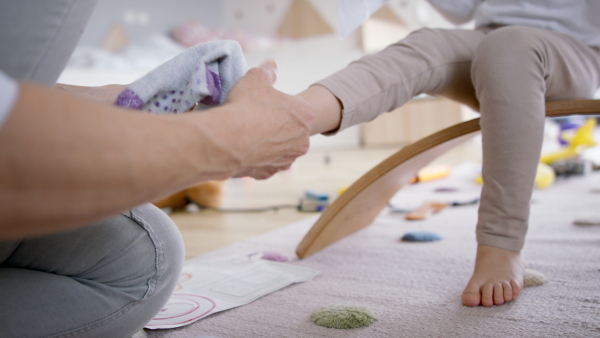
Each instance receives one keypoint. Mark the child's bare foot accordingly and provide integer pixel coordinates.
(497, 278)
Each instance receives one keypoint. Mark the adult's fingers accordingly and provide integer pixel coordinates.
(270, 67)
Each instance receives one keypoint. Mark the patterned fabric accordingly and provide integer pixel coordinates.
(201, 75)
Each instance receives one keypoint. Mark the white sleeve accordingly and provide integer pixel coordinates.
(9, 90)
(456, 11)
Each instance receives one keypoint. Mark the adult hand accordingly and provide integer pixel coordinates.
(267, 129)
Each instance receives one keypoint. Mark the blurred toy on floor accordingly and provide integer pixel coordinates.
(206, 194)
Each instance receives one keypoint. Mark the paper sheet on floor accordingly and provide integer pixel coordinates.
(209, 287)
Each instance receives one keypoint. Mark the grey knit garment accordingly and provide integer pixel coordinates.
(202, 74)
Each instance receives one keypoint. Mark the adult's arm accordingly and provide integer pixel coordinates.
(61, 169)
(104, 94)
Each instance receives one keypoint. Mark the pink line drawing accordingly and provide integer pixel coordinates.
(198, 310)
(183, 278)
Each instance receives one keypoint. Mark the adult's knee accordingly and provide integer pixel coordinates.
(110, 279)
(169, 255)
(167, 242)
(153, 260)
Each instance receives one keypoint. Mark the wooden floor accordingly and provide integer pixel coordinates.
(325, 171)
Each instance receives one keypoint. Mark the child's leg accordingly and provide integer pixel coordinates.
(515, 71)
(433, 61)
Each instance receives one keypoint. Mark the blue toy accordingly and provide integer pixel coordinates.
(421, 236)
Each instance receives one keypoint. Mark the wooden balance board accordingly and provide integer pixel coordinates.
(360, 204)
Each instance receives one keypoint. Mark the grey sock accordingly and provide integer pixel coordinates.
(202, 74)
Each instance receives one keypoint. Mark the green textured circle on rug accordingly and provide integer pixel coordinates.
(343, 317)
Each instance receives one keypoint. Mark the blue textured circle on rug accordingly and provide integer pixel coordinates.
(421, 236)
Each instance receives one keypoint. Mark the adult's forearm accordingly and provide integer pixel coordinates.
(67, 162)
(61, 169)
(103, 94)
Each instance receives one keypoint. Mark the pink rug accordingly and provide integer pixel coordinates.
(414, 288)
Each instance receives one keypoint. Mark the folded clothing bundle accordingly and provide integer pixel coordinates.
(201, 75)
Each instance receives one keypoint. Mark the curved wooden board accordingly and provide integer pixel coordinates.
(360, 204)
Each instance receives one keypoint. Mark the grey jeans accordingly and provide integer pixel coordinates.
(507, 74)
(103, 280)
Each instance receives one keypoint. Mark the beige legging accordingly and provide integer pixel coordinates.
(507, 74)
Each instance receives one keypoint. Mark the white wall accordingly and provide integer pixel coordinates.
(301, 63)
(254, 16)
(143, 18)
(306, 61)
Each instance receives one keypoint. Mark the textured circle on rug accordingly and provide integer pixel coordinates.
(533, 278)
(421, 236)
(343, 317)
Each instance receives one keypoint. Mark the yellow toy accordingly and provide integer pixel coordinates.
(577, 143)
(582, 140)
(544, 177)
